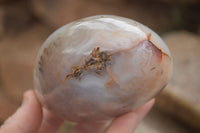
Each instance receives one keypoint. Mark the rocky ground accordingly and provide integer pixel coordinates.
(25, 25)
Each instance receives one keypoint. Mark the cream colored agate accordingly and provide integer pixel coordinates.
(140, 66)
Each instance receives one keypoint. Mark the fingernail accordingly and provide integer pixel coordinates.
(25, 97)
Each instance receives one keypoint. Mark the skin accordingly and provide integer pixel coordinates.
(32, 118)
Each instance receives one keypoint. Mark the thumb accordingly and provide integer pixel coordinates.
(27, 118)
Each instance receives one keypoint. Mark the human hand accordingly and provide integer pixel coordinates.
(32, 118)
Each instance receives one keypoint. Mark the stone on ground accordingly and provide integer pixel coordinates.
(181, 98)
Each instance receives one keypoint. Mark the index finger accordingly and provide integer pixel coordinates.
(128, 122)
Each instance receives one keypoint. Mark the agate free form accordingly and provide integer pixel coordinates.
(100, 67)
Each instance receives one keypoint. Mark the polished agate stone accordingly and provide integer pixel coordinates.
(100, 67)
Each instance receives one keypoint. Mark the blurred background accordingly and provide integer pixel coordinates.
(25, 24)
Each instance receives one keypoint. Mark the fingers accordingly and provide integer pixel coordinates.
(50, 123)
(128, 122)
(124, 124)
(27, 118)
